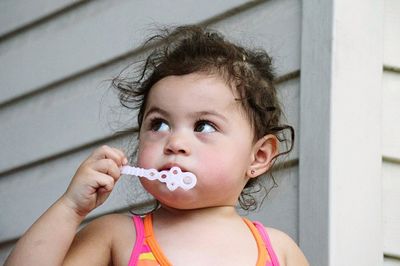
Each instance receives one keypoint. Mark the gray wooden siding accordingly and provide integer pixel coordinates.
(391, 133)
(17, 15)
(55, 106)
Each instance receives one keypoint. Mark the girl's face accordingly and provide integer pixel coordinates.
(194, 122)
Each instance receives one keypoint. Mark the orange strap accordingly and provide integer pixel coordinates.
(151, 241)
(262, 249)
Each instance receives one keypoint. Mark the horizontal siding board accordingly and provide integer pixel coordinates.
(392, 33)
(79, 47)
(391, 210)
(16, 14)
(67, 116)
(96, 33)
(275, 25)
(61, 119)
(391, 115)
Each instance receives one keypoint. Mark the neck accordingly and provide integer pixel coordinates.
(214, 212)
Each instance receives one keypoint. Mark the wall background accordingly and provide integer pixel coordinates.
(56, 105)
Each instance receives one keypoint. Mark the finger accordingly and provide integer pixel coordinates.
(102, 194)
(103, 183)
(106, 152)
(107, 166)
(124, 159)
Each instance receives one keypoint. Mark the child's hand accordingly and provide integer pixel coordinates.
(94, 180)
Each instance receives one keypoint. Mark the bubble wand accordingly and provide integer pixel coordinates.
(173, 178)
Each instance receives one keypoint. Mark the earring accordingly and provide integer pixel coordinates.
(252, 171)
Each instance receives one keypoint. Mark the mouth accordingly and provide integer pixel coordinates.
(175, 178)
(168, 167)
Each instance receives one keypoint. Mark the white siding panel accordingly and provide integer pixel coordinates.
(19, 13)
(391, 262)
(392, 33)
(391, 115)
(391, 210)
(390, 135)
(94, 34)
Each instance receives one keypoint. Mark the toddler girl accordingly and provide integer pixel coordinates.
(204, 105)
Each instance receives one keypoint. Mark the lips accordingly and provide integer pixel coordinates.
(168, 166)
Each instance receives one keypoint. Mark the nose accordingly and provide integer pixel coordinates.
(177, 143)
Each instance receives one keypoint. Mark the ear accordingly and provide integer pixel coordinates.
(264, 150)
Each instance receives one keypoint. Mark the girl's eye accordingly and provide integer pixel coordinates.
(204, 127)
(159, 125)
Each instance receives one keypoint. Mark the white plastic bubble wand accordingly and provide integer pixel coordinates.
(173, 178)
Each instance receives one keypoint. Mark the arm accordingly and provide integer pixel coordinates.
(105, 239)
(294, 255)
(48, 240)
(287, 250)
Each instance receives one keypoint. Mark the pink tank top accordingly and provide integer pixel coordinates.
(147, 252)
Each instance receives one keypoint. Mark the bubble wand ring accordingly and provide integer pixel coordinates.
(173, 177)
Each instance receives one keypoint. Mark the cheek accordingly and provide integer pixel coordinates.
(225, 162)
(216, 166)
(146, 155)
(213, 161)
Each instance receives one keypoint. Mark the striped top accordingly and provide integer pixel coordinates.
(147, 252)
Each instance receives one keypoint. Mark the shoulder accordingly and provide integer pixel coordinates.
(110, 226)
(95, 243)
(112, 222)
(285, 248)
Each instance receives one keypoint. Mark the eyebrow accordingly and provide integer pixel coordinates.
(212, 113)
(155, 110)
(195, 114)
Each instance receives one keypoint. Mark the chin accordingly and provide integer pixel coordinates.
(177, 199)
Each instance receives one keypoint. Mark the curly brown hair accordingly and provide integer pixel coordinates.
(188, 49)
